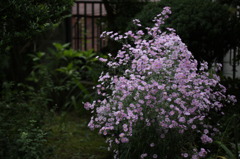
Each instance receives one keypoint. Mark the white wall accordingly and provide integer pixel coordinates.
(227, 67)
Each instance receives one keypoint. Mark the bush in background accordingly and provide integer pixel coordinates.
(21, 22)
(68, 75)
(208, 28)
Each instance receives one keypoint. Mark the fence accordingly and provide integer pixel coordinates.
(87, 25)
(88, 22)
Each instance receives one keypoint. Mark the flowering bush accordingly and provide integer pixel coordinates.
(156, 105)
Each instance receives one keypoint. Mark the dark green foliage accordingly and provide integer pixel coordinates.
(21, 119)
(23, 106)
(42, 82)
(60, 80)
(22, 21)
(32, 141)
(67, 75)
(230, 122)
(208, 28)
(233, 3)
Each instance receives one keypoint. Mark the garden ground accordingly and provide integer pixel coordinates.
(72, 139)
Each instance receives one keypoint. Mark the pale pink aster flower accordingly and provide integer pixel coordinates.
(121, 135)
(152, 145)
(102, 59)
(206, 139)
(182, 119)
(124, 140)
(185, 155)
(143, 155)
(202, 152)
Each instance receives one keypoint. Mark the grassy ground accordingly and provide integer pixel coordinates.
(70, 138)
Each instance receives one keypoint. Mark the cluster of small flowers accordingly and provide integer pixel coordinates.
(201, 154)
(161, 85)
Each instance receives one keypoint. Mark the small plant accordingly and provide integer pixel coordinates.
(32, 141)
(155, 102)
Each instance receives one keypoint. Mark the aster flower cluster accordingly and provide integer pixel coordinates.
(161, 90)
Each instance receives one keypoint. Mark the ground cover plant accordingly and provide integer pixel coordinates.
(155, 100)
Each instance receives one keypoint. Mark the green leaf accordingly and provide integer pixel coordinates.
(229, 153)
(58, 46)
(81, 87)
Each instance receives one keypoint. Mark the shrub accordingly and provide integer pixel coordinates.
(157, 104)
(66, 75)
